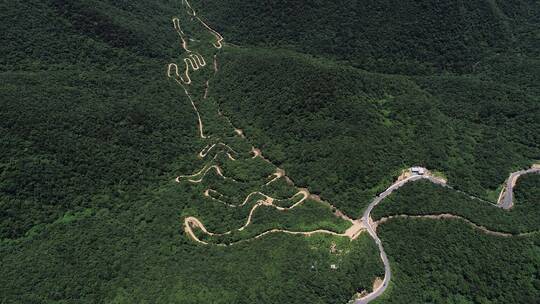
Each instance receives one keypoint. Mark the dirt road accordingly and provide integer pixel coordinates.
(365, 223)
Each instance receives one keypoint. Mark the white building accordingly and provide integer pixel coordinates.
(418, 170)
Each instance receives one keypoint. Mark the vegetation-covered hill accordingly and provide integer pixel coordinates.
(93, 135)
(394, 36)
(451, 261)
(346, 133)
(340, 94)
(85, 116)
(424, 198)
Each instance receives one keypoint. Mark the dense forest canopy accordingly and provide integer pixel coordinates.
(340, 94)
(321, 114)
(392, 36)
(442, 257)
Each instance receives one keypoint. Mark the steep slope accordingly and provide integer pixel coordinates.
(94, 134)
(346, 133)
(451, 262)
(391, 36)
(84, 116)
(449, 259)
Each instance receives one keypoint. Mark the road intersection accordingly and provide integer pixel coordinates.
(194, 63)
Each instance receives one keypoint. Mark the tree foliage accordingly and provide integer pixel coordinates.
(93, 136)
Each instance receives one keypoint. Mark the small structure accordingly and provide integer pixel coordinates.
(418, 170)
(333, 266)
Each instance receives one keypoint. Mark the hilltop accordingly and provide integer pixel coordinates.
(332, 98)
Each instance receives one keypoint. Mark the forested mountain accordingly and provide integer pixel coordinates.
(93, 135)
(340, 94)
(346, 133)
(471, 109)
(408, 36)
(76, 119)
(441, 257)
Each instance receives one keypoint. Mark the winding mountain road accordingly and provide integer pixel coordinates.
(368, 223)
(194, 62)
(506, 199)
(505, 203)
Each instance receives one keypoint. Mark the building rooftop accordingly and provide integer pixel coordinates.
(418, 170)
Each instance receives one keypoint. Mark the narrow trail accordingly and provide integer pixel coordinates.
(372, 226)
(219, 39)
(191, 222)
(181, 81)
(277, 175)
(209, 148)
(267, 201)
(448, 216)
(202, 173)
(352, 232)
(303, 193)
(194, 62)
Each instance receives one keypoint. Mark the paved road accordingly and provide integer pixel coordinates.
(366, 220)
(505, 203)
(507, 200)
